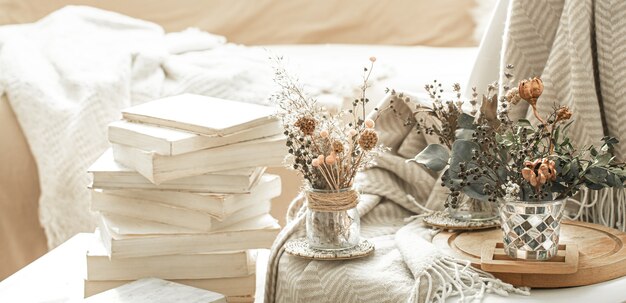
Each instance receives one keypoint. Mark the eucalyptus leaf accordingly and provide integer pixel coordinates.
(466, 121)
(614, 181)
(598, 172)
(603, 159)
(461, 152)
(435, 157)
(596, 176)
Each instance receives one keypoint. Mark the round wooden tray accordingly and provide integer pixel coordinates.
(602, 254)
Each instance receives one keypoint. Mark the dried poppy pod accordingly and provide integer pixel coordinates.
(368, 139)
(530, 90)
(563, 113)
(306, 125)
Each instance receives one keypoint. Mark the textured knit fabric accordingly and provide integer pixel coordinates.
(406, 266)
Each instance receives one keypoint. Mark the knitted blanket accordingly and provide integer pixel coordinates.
(577, 48)
(405, 267)
(68, 75)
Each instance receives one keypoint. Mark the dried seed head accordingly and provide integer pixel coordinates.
(306, 125)
(320, 158)
(331, 159)
(563, 113)
(368, 139)
(513, 96)
(338, 147)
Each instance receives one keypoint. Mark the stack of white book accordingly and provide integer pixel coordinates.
(183, 195)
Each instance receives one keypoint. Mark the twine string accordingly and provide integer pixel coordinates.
(332, 201)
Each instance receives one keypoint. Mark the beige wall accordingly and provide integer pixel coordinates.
(21, 237)
(398, 22)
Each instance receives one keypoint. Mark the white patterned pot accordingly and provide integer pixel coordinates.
(531, 230)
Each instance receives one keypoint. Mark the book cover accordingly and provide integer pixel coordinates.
(201, 114)
(219, 206)
(158, 169)
(169, 142)
(153, 290)
(183, 266)
(249, 234)
(109, 174)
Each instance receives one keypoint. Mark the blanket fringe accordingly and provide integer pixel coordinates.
(606, 207)
(460, 279)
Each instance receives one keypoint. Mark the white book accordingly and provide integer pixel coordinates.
(122, 225)
(109, 174)
(201, 114)
(186, 266)
(171, 215)
(219, 206)
(158, 169)
(250, 234)
(153, 290)
(239, 286)
(169, 142)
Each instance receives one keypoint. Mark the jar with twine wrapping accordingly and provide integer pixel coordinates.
(332, 222)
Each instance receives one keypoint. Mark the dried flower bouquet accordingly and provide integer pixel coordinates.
(327, 148)
(490, 157)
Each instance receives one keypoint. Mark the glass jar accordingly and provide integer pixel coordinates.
(332, 230)
(470, 209)
(531, 230)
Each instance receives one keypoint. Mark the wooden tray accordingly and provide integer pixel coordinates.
(494, 259)
(602, 254)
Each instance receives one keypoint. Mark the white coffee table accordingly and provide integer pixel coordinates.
(58, 277)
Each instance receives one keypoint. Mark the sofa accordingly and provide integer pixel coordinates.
(415, 41)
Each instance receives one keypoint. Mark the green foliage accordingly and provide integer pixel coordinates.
(435, 157)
